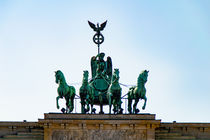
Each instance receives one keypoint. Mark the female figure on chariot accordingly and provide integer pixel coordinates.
(101, 64)
(100, 67)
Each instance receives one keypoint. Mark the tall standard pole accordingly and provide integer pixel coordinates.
(98, 38)
(98, 45)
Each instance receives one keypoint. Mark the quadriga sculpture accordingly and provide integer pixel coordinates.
(86, 94)
(114, 93)
(138, 92)
(66, 91)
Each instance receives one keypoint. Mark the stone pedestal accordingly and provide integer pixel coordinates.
(99, 127)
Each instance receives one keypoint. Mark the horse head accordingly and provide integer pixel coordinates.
(145, 73)
(116, 72)
(58, 76)
(85, 76)
(143, 76)
(115, 76)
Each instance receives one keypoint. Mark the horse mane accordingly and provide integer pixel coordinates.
(85, 77)
(115, 75)
(141, 77)
(62, 75)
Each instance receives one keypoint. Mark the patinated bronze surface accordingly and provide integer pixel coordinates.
(103, 88)
(64, 91)
(138, 92)
(114, 94)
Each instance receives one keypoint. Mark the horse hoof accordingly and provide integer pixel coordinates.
(86, 111)
(101, 112)
(137, 111)
(93, 111)
(121, 111)
(63, 110)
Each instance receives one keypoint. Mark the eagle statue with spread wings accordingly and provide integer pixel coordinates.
(97, 29)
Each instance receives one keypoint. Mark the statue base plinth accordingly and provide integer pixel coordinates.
(99, 126)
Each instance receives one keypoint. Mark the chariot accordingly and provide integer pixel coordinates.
(103, 84)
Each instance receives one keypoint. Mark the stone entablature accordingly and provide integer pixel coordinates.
(97, 126)
(60, 116)
(21, 130)
(194, 130)
(56, 126)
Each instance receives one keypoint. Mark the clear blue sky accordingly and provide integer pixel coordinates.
(169, 38)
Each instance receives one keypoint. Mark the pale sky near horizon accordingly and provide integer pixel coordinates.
(171, 39)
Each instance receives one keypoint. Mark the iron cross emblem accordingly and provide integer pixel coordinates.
(98, 38)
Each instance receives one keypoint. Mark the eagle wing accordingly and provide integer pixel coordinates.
(103, 25)
(93, 66)
(93, 26)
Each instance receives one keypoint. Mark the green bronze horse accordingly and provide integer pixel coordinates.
(114, 93)
(86, 94)
(138, 92)
(66, 91)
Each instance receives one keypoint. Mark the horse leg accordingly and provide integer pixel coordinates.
(71, 104)
(134, 106)
(83, 109)
(120, 110)
(67, 105)
(115, 106)
(110, 104)
(91, 108)
(67, 109)
(88, 108)
(91, 104)
(82, 106)
(101, 103)
(119, 102)
(57, 98)
(101, 109)
(114, 101)
(129, 105)
(145, 102)
(87, 104)
(130, 100)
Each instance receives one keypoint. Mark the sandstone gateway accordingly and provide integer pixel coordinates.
(103, 88)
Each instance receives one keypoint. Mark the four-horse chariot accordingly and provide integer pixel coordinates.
(103, 88)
